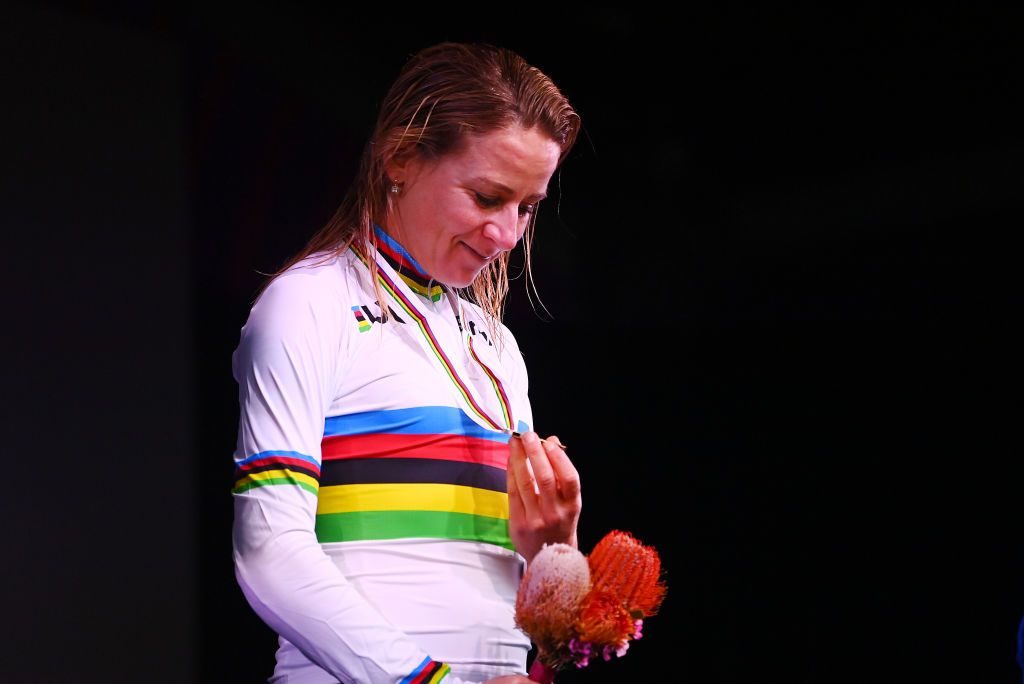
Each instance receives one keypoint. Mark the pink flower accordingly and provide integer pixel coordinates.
(581, 651)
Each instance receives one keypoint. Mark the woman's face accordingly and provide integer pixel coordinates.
(459, 212)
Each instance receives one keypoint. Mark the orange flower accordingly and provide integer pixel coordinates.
(621, 565)
(604, 620)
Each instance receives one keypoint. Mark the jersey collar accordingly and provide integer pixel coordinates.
(406, 267)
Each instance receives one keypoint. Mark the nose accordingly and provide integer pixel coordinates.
(502, 227)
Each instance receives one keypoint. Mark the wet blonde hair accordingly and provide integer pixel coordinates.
(441, 94)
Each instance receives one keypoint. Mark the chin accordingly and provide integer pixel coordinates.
(460, 281)
(459, 275)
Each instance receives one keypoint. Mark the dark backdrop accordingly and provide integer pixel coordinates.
(780, 267)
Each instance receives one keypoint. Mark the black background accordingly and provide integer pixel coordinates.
(779, 266)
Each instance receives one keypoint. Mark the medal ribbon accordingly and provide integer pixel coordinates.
(431, 343)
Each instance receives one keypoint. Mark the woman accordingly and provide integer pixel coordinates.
(388, 486)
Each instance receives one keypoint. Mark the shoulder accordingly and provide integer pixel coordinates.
(307, 301)
(299, 319)
(315, 289)
(316, 277)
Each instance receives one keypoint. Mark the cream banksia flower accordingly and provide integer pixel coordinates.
(550, 595)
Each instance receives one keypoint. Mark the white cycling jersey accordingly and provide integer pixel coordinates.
(371, 511)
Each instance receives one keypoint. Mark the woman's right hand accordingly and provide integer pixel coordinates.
(544, 499)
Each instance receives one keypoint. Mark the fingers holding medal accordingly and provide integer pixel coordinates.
(544, 493)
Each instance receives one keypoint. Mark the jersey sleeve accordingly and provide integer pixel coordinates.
(289, 357)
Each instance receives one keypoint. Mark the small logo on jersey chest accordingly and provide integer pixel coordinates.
(365, 318)
(364, 324)
(474, 331)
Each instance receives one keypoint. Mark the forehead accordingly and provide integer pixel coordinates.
(520, 158)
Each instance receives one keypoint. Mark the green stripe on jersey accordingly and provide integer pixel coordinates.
(369, 525)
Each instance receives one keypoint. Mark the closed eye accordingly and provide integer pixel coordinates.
(489, 202)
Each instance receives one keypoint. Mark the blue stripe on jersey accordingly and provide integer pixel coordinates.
(289, 454)
(419, 668)
(422, 420)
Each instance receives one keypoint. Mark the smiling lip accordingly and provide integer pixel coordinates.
(480, 256)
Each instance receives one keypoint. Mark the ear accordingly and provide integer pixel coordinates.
(401, 166)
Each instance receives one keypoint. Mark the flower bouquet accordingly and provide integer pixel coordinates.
(574, 607)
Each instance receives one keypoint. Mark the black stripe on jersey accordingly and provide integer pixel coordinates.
(412, 470)
(412, 275)
(242, 472)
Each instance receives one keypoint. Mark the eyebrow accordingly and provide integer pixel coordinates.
(507, 190)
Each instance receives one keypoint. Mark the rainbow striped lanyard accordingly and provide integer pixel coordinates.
(430, 342)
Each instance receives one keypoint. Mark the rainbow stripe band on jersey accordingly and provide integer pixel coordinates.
(275, 468)
(426, 472)
(428, 672)
(392, 288)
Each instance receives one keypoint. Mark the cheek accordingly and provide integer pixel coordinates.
(460, 220)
